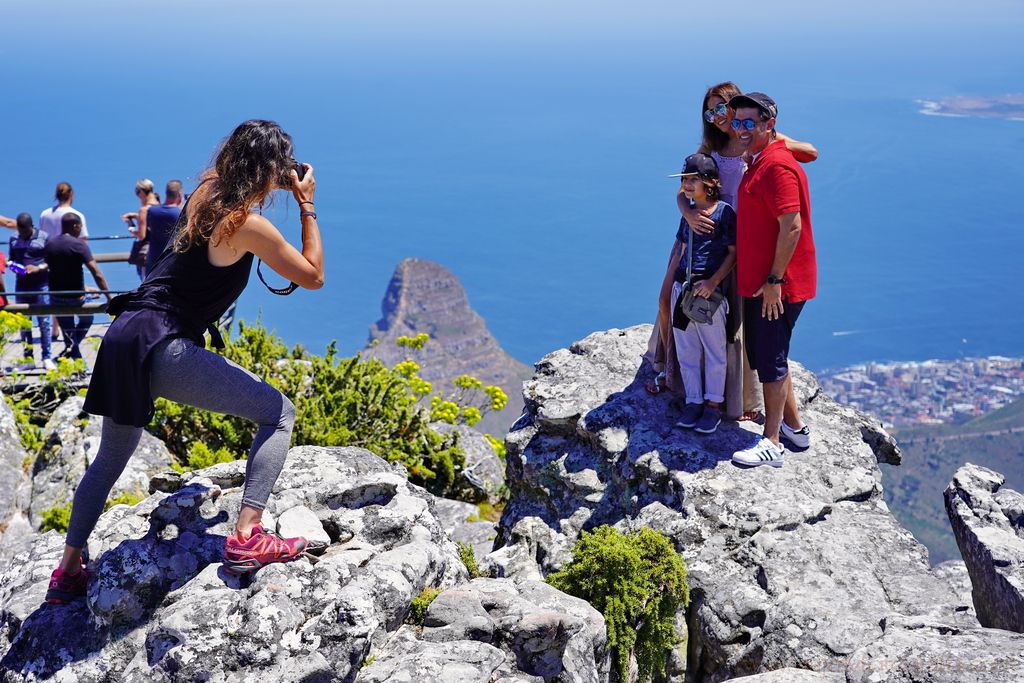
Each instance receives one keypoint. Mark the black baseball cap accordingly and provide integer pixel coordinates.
(758, 100)
(700, 165)
(24, 220)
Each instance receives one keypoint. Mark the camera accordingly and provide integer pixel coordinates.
(300, 170)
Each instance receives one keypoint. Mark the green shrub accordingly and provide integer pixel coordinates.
(468, 558)
(33, 404)
(200, 456)
(125, 498)
(638, 581)
(338, 402)
(29, 433)
(418, 606)
(56, 518)
(498, 446)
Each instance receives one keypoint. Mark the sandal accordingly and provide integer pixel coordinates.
(659, 384)
(755, 416)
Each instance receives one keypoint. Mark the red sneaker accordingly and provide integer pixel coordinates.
(66, 586)
(262, 548)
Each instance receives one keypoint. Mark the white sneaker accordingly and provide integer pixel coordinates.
(48, 364)
(800, 439)
(764, 452)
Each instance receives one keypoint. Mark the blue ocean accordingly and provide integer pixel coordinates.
(525, 146)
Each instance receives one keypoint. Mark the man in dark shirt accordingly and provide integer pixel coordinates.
(159, 221)
(65, 255)
(26, 250)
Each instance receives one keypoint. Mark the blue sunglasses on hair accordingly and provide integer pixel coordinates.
(749, 124)
(719, 109)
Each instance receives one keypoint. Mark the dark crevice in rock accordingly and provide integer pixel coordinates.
(374, 493)
(862, 497)
(762, 579)
(755, 619)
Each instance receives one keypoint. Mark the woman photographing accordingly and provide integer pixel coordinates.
(155, 346)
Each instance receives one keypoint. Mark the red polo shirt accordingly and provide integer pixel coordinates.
(774, 185)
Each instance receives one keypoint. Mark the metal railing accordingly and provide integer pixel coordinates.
(86, 307)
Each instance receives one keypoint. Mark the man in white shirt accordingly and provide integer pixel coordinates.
(49, 219)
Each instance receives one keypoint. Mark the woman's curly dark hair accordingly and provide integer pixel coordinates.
(713, 139)
(254, 160)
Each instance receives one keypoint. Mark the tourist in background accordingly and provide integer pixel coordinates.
(50, 223)
(27, 248)
(50, 218)
(140, 248)
(157, 224)
(65, 255)
(776, 269)
(154, 347)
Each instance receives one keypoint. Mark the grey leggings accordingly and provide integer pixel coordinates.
(185, 373)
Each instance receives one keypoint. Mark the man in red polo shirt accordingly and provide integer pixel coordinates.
(776, 270)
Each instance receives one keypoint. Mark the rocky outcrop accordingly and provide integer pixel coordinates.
(425, 297)
(483, 473)
(789, 675)
(988, 522)
(790, 567)
(922, 651)
(526, 632)
(455, 516)
(13, 461)
(161, 608)
(70, 442)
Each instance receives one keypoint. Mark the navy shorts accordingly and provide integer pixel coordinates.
(767, 341)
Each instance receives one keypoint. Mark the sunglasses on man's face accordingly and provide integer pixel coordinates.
(717, 110)
(749, 124)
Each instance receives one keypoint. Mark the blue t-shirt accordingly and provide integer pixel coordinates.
(709, 251)
(29, 252)
(160, 222)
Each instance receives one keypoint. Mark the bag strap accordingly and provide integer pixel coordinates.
(689, 254)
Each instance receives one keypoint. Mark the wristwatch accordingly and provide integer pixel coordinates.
(775, 280)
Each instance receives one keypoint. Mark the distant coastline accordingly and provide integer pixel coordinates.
(931, 392)
(1008, 107)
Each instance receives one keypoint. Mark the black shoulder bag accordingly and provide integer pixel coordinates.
(689, 306)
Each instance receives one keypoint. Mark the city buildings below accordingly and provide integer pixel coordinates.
(928, 392)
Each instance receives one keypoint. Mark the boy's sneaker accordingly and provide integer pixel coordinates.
(709, 421)
(65, 586)
(799, 439)
(262, 548)
(691, 414)
(764, 452)
(48, 364)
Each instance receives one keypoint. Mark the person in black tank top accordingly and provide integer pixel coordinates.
(154, 347)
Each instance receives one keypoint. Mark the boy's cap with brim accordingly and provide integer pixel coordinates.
(698, 164)
(758, 100)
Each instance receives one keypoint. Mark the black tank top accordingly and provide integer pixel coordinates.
(187, 285)
(183, 296)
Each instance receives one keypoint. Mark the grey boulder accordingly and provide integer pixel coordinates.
(70, 442)
(789, 567)
(988, 523)
(161, 608)
(919, 651)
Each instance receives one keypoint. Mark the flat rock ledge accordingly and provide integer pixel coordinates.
(161, 608)
(988, 522)
(797, 567)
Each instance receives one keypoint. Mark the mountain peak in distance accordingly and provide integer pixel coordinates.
(424, 296)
